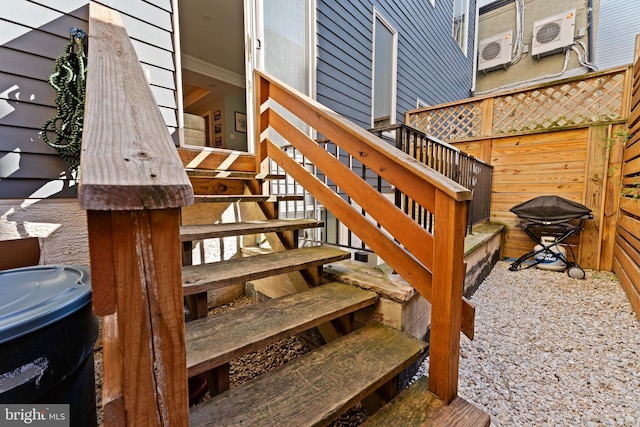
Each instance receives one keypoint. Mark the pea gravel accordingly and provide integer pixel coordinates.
(552, 351)
(548, 351)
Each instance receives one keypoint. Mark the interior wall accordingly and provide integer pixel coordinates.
(210, 108)
(236, 114)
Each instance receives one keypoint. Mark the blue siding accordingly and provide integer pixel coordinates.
(32, 34)
(431, 66)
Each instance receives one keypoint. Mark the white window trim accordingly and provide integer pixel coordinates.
(421, 104)
(464, 47)
(394, 66)
(433, 3)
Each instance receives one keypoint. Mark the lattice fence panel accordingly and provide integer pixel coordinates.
(450, 123)
(577, 103)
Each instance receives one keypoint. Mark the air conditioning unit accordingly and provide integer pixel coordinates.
(495, 52)
(553, 34)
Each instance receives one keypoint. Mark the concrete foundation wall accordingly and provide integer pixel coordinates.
(59, 224)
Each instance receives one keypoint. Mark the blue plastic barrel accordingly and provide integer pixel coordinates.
(47, 334)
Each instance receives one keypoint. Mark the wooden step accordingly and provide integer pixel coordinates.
(216, 340)
(233, 198)
(222, 174)
(317, 387)
(417, 406)
(204, 277)
(214, 231)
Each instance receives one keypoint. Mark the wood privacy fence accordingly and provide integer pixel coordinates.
(562, 138)
(626, 262)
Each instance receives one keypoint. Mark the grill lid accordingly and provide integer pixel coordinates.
(551, 209)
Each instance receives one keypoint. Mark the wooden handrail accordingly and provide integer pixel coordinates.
(406, 172)
(432, 264)
(132, 184)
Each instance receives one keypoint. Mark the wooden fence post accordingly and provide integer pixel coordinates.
(446, 296)
(132, 185)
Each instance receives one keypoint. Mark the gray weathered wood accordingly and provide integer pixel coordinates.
(417, 406)
(207, 173)
(204, 277)
(317, 387)
(214, 231)
(128, 158)
(216, 340)
(232, 198)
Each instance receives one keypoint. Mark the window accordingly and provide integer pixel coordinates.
(288, 49)
(461, 23)
(288, 41)
(385, 47)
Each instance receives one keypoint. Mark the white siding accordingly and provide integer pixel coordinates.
(618, 24)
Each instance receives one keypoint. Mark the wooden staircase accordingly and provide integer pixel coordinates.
(316, 388)
(133, 186)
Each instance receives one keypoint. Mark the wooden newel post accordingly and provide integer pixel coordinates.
(446, 296)
(132, 185)
(262, 121)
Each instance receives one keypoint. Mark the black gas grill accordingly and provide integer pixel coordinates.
(550, 216)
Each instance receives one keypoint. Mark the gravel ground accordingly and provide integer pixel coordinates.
(552, 351)
(548, 351)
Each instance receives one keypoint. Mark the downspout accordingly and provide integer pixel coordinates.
(475, 52)
(177, 59)
(590, 31)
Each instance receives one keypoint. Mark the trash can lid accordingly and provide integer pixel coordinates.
(34, 297)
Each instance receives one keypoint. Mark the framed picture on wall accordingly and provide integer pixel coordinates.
(218, 128)
(241, 122)
(217, 115)
(218, 141)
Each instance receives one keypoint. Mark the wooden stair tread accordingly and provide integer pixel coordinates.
(417, 406)
(213, 231)
(216, 340)
(232, 198)
(204, 277)
(318, 386)
(225, 174)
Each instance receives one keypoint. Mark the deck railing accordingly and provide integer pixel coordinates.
(473, 174)
(132, 184)
(432, 262)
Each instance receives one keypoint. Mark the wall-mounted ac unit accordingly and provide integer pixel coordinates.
(553, 34)
(495, 52)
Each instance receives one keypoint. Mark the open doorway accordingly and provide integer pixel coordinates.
(217, 64)
(213, 73)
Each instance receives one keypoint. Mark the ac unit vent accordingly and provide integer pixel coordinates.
(548, 32)
(491, 51)
(553, 34)
(495, 52)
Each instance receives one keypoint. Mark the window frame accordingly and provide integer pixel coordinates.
(464, 34)
(377, 15)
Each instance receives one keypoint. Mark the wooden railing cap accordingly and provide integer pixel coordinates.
(128, 161)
